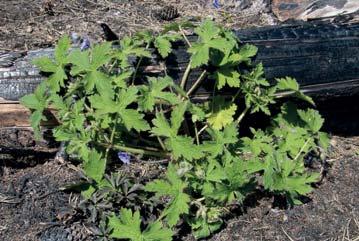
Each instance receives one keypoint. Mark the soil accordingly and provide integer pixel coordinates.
(32, 206)
(31, 200)
(30, 24)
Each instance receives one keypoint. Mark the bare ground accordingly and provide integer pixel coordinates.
(29, 24)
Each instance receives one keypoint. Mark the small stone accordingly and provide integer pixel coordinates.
(29, 29)
(49, 38)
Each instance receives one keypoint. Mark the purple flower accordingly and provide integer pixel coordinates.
(124, 157)
(85, 44)
(216, 4)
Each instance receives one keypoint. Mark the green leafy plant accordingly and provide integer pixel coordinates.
(106, 102)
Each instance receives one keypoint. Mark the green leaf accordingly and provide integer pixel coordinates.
(290, 84)
(127, 96)
(32, 102)
(56, 79)
(227, 75)
(103, 104)
(36, 102)
(202, 228)
(173, 187)
(163, 43)
(134, 120)
(121, 79)
(45, 64)
(128, 226)
(161, 126)
(35, 119)
(200, 55)
(62, 47)
(209, 38)
(177, 115)
(221, 116)
(80, 60)
(154, 91)
(220, 139)
(101, 55)
(198, 114)
(323, 140)
(246, 52)
(287, 83)
(183, 146)
(129, 47)
(312, 118)
(95, 166)
(207, 31)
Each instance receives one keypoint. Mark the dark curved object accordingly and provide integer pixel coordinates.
(109, 35)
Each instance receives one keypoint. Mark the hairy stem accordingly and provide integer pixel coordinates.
(301, 149)
(185, 75)
(202, 129)
(197, 83)
(241, 116)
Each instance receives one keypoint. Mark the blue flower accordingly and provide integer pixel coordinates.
(216, 4)
(124, 157)
(85, 44)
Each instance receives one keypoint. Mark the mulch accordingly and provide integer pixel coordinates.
(31, 24)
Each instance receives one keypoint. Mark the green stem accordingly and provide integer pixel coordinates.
(111, 137)
(138, 64)
(161, 143)
(241, 116)
(236, 95)
(185, 75)
(202, 129)
(196, 133)
(197, 83)
(157, 153)
(184, 36)
(301, 149)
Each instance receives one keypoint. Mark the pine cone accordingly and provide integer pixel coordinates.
(167, 13)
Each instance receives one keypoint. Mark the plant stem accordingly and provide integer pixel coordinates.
(196, 133)
(236, 95)
(301, 149)
(161, 143)
(111, 137)
(198, 82)
(202, 129)
(241, 116)
(184, 36)
(133, 150)
(138, 65)
(185, 75)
